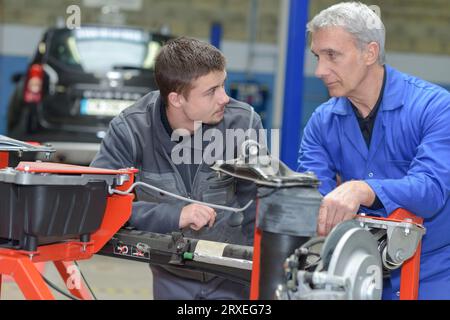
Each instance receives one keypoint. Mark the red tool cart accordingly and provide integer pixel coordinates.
(57, 213)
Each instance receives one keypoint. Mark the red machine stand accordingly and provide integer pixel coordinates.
(409, 278)
(4, 158)
(254, 283)
(19, 264)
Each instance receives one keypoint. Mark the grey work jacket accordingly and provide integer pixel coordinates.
(137, 138)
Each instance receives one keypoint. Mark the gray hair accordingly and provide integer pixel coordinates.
(356, 18)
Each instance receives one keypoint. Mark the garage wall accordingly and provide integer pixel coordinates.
(15, 56)
(420, 26)
(418, 37)
(193, 17)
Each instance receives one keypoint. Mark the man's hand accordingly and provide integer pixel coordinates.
(196, 216)
(342, 204)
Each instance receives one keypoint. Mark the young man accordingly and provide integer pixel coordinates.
(384, 133)
(190, 75)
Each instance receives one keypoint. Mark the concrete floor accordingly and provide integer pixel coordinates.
(109, 278)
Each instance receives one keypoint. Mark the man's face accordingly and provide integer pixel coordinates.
(340, 63)
(207, 99)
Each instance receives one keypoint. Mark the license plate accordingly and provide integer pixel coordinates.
(103, 107)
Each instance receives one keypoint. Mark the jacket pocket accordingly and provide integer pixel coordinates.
(164, 181)
(218, 190)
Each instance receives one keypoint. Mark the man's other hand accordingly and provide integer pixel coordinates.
(196, 216)
(342, 204)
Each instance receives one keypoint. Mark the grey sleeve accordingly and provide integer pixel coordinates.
(117, 151)
(156, 217)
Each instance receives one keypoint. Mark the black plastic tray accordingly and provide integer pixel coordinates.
(43, 208)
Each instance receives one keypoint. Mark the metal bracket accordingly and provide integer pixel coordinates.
(180, 246)
(256, 165)
(402, 238)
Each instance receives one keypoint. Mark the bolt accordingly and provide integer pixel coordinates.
(399, 255)
(361, 224)
(253, 150)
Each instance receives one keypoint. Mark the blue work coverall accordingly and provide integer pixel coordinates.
(407, 165)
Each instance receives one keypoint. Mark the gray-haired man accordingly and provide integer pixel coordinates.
(384, 133)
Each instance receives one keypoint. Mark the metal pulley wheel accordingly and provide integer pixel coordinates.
(356, 258)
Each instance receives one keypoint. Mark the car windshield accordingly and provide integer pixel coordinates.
(93, 49)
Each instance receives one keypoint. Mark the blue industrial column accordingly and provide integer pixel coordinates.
(293, 92)
(216, 34)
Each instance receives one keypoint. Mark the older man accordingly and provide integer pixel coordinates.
(384, 133)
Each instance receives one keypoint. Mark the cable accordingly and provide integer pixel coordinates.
(68, 295)
(85, 281)
(51, 284)
(313, 241)
(215, 206)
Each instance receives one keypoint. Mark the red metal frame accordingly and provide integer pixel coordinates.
(254, 282)
(20, 264)
(50, 167)
(409, 277)
(4, 158)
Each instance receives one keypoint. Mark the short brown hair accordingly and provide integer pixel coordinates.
(183, 60)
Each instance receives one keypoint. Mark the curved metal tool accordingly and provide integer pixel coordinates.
(9, 144)
(255, 164)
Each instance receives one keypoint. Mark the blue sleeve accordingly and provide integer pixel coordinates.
(313, 155)
(426, 187)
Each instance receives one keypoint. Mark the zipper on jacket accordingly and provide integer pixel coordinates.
(178, 177)
(195, 176)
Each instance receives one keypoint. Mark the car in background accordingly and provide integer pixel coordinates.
(77, 81)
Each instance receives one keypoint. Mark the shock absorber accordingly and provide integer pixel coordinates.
(287, 208)
(286, 219)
